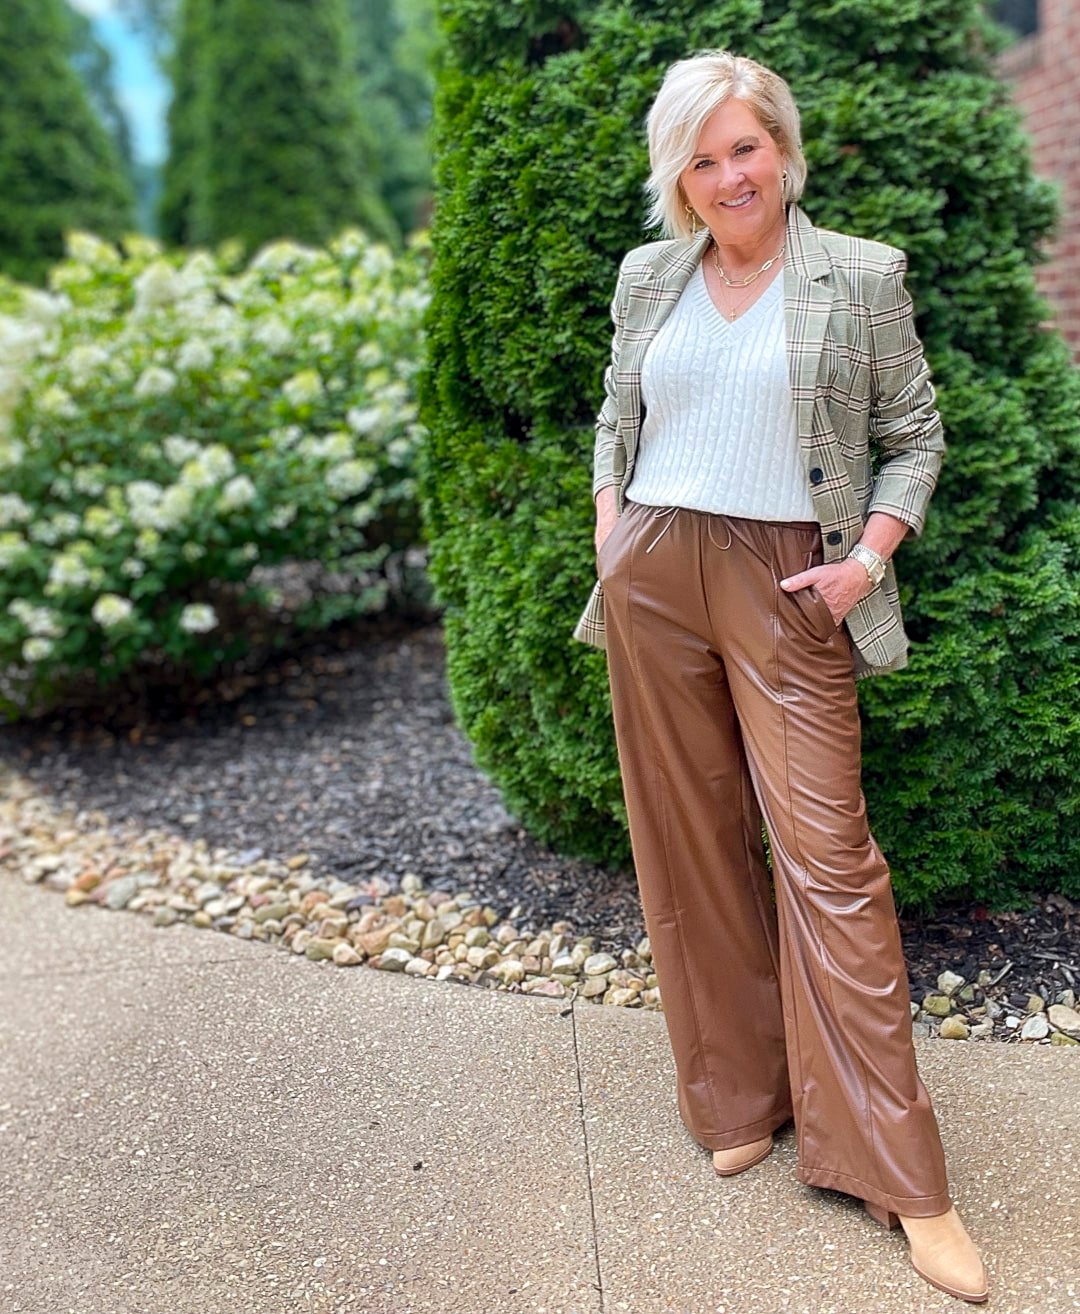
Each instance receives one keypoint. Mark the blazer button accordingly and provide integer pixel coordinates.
(834, 536)
(816, 475)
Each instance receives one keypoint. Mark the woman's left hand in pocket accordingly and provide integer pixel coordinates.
(840, 583)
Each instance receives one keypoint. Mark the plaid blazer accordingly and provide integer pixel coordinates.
(857, 374)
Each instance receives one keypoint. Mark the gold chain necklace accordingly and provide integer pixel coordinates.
(738, 305)
(750, 277)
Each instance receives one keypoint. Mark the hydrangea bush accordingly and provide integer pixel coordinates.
(178, 430)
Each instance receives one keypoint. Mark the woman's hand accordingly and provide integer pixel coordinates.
(606, 515)
(841, 583)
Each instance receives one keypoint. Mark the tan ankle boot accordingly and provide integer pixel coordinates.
(940, 1251)
(738, 1157)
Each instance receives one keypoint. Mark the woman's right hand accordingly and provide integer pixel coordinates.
(606, 515)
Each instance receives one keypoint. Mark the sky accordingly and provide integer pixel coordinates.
(140, 88)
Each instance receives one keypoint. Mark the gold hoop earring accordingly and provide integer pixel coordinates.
(692, 216)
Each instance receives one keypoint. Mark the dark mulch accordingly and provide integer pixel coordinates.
(346, 749)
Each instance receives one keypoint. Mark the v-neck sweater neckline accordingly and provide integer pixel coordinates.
(715, 317)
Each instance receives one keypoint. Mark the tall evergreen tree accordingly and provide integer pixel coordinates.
(972, 753)
(59, 168)
(394, 49)
(188, 65)
(269, 137)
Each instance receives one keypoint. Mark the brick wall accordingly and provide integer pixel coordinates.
(1043, 72)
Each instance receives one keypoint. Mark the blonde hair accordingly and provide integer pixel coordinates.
(692, 89)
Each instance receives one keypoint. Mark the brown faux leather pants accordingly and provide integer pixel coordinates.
(733, 698)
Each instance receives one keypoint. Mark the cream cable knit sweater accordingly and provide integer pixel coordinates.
(719, 429)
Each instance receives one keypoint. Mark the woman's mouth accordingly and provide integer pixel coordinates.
(739, 202)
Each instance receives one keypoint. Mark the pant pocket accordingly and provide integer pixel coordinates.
(811, 602)
(609, 547)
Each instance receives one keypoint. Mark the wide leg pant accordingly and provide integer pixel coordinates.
(733, 698)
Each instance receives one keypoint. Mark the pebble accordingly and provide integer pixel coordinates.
(949, 982)
(417, 932)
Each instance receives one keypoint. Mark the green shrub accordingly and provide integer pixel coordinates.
(172, 427)
(59, 168)
(971, 754)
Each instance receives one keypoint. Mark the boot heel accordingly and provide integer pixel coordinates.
(882, 1215)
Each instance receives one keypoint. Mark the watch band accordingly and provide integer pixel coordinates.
(873, 562)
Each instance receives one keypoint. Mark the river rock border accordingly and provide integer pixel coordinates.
(420, 932)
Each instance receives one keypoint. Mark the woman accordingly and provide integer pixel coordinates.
(745, 584)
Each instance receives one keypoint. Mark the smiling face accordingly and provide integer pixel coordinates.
(734, 156)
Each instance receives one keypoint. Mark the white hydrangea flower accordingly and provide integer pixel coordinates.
(364, 419)
(66, 523)
(336, 446)
(58, 401)
(12, 547)
(132, 567)
(84, 362)
(273, 334)
(175, 506)
(69, 571)
(198, 618)
(44, 531)
(70, 274)
(179, 449)
(317, 304)
(234, 379)
(349, 478)
(282, 255)
(378, 260)
(349, 243)
(238, 492)
(20, 341)
(321, 341)
(250, 551)
(196, 354)
(147, 540)
(193, 551)
(155, 382)
(89, 479)
(13, 510)
(140, 247)
(41, 621)
(392, 395)
(36, 650)
(370, 354)
(361, 513)
(307, 386)
(111, 609)
(99, 522)
(282, 516)
(213, 464)
(198, 270)
(158, 285)
(144, 498)
(12, 383)
(91, 250)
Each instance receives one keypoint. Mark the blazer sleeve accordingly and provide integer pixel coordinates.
(607, 438)
(904, 421)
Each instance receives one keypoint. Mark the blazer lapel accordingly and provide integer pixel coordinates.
(808, 298)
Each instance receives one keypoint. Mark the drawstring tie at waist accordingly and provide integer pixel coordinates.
(671, 512)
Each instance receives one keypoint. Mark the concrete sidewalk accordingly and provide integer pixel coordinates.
(192, 1124)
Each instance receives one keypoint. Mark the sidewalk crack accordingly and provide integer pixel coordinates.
(599, 1284)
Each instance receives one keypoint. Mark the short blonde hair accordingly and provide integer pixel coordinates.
(692, 89)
